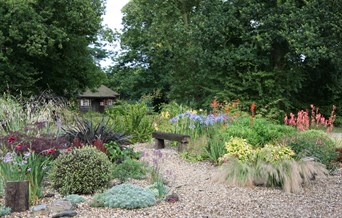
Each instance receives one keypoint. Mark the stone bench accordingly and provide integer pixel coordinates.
(161, 136)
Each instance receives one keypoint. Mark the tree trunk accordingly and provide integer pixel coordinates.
(17, 195)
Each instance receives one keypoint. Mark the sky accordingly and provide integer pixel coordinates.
(113, 14)
(112, 19)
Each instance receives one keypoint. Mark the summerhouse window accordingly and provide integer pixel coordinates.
(85, 102)
(109, 102)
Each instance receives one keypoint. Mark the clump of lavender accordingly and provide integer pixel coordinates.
(157, 181)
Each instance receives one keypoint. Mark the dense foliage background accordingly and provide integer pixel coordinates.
(45, 45)
(280, 54)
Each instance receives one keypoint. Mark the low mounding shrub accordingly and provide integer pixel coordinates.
(260, 132)
(125, 196)
(4, 210)
(74, 199)
(81, 171)
(117, 154)
(313, 143)
(239, 148)
(129, 169)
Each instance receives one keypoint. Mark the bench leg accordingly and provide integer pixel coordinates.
(159, 143)
(181, 147)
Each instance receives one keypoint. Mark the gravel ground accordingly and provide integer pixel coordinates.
(200, 196)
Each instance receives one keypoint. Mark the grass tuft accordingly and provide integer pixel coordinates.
(290, 175)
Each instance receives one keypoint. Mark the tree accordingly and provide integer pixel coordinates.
(45, 45)
(280, 53)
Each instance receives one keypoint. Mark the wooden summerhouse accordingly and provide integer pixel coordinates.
(97, 100)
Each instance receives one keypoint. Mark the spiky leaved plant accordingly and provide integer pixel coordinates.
(88, 131)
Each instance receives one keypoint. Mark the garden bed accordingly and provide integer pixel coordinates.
(200, 196)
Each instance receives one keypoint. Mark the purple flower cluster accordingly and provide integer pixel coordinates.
(12, 157)
(208, 120)
(8, 157)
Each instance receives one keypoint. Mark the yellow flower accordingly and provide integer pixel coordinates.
(165, 115)
(155, 126)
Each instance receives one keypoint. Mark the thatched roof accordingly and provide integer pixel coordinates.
(101, 92)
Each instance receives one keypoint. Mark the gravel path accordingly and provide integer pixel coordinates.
(201, 197)
(336, 135)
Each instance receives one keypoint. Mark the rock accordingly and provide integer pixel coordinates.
(172, 198)
(49, 195)
(59, 206)
(39, 210)
(67, 213)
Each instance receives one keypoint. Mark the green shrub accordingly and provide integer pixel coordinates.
(133, 119)
(215, 148)
(129, 169)
(125, 196)
(74, 199)
(118, 154)
(4, 210)
(173, 109)
(159, 189)
(81, 171)
(260, 133)
(313, 143)
(2, 188)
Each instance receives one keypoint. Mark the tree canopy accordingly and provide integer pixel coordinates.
(45, 45)
(285, 53)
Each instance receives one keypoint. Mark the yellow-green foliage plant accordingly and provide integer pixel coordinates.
(239, 148)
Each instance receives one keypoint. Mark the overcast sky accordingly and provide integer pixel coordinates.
(113, 18)
(113, 14)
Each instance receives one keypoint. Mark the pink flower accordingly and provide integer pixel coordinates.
(18, 146)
